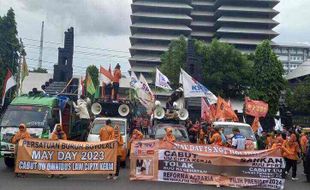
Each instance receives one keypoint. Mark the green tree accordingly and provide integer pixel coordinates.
(226, 70)
(93, 71)
(9, 45)
(298, 99)
(174, 59)
(267, 78)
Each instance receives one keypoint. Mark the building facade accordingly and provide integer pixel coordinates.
(155, 23)
(292, 55)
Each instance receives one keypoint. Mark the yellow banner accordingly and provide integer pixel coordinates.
(66, 157)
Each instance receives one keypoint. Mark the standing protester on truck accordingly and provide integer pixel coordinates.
(58, 134)
(21, 134)
(116, 78)
(290, 153)
(82, 112)
(238, 140)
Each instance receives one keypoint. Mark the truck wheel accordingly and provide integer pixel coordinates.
(123, 164)
(9, 162)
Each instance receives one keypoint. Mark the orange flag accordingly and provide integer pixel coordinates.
(224, 111)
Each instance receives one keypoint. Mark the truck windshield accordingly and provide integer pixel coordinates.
(100, 123)
(31, 116)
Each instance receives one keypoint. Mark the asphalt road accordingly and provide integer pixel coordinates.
(8, 181)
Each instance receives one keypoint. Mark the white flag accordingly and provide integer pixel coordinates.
(9, 82)
(162, 80)
(143, 91)
(193, 88)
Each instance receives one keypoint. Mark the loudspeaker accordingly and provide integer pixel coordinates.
(96, 108)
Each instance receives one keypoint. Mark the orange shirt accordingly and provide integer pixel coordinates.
(120, 141)
(290, 151)
(20, 135)
(169, 138)
(303, 143)
(106, 133)
(202, 136)
(55, 136)
(117, 75)
(216, 139)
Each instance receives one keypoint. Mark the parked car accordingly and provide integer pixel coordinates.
(245, 130)
(179, 131)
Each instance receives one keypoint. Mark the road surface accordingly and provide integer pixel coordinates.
(8, 181)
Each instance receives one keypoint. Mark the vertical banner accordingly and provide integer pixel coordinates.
(206, 165)
(66, 157)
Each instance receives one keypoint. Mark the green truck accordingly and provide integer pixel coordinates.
(39, 113)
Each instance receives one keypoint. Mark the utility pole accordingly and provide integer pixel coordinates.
(41, 46)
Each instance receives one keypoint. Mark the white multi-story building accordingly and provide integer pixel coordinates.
(292, 55)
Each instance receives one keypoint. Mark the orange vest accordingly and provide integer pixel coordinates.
(106, 133)
(216, 139)
(290, 151)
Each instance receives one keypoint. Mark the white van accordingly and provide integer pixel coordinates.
(100, 122)
(245, 130)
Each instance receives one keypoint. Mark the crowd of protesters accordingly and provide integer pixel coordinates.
(293, 142)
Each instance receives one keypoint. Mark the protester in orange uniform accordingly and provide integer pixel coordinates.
(269, 140)
(106, 133)
(169, 137)
(290, 153)
(120, 143)
(59, 134)
(116, 78)
(202, 136)
(136, 135)
(21, 134)
(278, 142)
(216, 138)
(303, 144)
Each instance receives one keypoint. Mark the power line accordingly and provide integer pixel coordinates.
(83, 47)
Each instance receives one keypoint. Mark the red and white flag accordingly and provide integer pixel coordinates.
(9, 82)
(105, 75)
(81, 89)
(205, 111)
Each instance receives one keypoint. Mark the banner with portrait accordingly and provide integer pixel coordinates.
(207, 165)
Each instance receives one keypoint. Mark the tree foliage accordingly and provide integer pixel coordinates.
(174, 59)
(9, 45)
(226, 70)
(298, 99)
(267, 78)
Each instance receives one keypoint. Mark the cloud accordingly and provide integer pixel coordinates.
(89, 17)
(294, 22)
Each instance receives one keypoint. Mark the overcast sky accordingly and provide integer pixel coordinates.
(102, 28)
